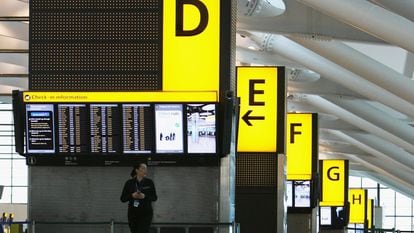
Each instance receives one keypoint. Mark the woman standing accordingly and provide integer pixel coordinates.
(139, 192)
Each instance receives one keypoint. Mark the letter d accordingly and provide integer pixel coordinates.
(179, 22)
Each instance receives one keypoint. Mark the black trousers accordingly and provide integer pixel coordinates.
(139, 219)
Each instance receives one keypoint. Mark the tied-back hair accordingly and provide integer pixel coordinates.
(133, 172)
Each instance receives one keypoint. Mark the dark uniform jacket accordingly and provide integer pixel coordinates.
(146, 186)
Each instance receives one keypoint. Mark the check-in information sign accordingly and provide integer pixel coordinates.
(257, 89)
(334, 182)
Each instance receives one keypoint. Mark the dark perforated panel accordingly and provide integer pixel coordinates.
(256, 170)
(96, 45)
(94, 4)
(95, 26)
(94, 57)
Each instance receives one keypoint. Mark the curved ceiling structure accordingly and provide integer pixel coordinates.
(350, 61)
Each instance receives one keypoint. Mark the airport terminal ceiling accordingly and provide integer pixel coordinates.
(350, 61)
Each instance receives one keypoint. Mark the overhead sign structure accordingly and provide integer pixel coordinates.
(334, 182)
(192, 44)
(262, 109)
(178, 45)
(357, 206)
(116, 128)
(301, 145)
(102, 97)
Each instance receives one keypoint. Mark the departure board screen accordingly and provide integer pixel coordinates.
(72, 129)
(201, 128)
(107, 134)
(169, 128)
(105, 130)
(40, 133)
(137, 135)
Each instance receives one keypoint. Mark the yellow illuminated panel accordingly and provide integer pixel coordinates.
(370, 209)
(333, 183)
(256, 87)
(299, 146)
(357, 204)
(191, 52)
(123, 97)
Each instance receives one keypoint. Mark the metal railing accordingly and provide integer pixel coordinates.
(224, 227)
(376, 230)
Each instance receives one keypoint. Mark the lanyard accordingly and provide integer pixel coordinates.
(137, 186)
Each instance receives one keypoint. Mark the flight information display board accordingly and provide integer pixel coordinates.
(39, 131)
(117, 133)
(72, 130)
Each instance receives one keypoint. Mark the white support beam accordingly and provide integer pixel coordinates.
(384, 180)
(403, 171)
(361, 65)
(329, 70)
(260, 8)
(353, 119)
(8, 43)
(383, 146)
(16, 30)
(409, 65)
(20, 59)
(369, 18)
(401, 7)
(13, 8)
(376, 117)
(378, 166)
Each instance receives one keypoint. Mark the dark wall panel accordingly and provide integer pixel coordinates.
(95, 45)
(256, 192)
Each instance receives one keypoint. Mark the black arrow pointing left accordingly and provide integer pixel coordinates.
(246, 117)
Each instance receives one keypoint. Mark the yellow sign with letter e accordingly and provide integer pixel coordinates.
(261, 113)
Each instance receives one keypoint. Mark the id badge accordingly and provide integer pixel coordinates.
(136, 203)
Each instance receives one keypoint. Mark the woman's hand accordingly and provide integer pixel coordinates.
(138, 195)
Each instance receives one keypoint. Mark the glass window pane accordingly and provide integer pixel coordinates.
(6, 150)
(372, 194)
(19, 195)
(388, 222)
(387, 200)
(6, 117)
(388, 207)
(17, 156)
(403, 223)
(6, 133)
(6, 106)
(6, 140)
(6, 128)
(368, 183)
(354, 182)
(5, 172)
(412, 224)
(403, 205)
(19, 172)
(6, 198)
